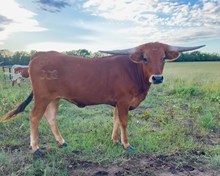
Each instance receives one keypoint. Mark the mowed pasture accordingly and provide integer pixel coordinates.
(176, 130)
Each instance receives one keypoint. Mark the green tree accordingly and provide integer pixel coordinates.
(23, 57)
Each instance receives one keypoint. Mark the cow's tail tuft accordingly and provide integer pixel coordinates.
(21, 107)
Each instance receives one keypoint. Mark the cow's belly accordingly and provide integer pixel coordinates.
(88, 99)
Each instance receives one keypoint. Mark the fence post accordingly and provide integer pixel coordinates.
(3, 69)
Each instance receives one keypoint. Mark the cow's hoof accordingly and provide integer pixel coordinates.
(131, 148)
(39, 153)
(63, 145)
(119, 142)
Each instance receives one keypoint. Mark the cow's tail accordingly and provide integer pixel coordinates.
(21, 107)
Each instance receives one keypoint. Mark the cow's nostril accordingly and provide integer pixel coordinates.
(157, 79)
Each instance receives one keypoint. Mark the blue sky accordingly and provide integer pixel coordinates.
(65, 25)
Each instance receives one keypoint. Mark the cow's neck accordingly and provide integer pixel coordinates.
(143, 82)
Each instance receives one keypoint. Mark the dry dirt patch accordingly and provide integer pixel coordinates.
(147, 165)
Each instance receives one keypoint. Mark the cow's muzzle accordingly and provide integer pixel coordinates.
(156, 79)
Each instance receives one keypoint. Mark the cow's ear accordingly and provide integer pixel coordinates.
(172, 55)
(137, 56)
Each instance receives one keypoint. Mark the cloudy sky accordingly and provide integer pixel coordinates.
(64, 25)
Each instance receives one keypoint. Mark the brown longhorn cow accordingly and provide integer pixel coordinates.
(121, 80)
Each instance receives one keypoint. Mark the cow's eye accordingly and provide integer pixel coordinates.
(145, 59)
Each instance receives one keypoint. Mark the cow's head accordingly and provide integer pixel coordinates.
(16, 70)
(152, 57)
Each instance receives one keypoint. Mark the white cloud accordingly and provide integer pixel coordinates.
(21, 20)
(138, 10)
(161, 20)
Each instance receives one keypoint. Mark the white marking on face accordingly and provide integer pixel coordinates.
(150, 79)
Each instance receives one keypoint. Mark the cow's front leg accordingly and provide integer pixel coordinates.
(115, 126)
(123, 122)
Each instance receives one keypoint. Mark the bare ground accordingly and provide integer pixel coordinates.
(177, 164)
(194, 163)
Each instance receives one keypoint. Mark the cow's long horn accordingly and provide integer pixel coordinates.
(123, 52)
(181, 49)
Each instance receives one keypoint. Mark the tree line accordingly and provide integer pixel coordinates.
(23, 57)
(198, 56)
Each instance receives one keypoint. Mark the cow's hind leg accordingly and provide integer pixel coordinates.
(123, 122)
(115, 126)
(36, 114)
(50, 115)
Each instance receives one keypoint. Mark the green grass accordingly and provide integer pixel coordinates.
(183, 115)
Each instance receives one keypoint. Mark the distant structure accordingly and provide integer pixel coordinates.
(15, 73)
(7, 72)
